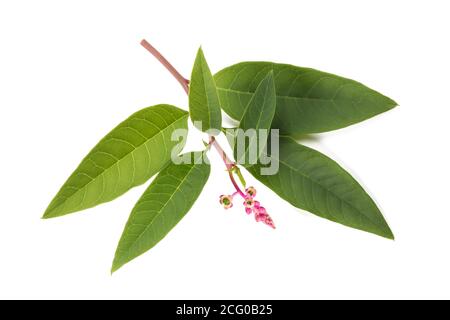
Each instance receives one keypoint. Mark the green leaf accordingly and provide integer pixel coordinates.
(311, 181)
(255, 122)
(166, 201)
(128, 156)
(308, 101)
(204, 106)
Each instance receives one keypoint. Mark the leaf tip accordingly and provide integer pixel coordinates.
(116, 266)
(386, 232)
(389, 103)
(394, 104)
(53, 212)
(270, 78)
(390, 235)
(200, 52)
(48, 214)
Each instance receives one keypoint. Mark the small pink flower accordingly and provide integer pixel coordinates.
(226, 201)
(250, 205)
(251, 192)
(249, 202)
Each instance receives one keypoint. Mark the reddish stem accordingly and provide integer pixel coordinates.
(183, 81)
(228, 163)
(236, 186)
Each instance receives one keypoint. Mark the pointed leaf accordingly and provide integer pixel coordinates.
(161, 207)
(308, 100)
(258, 115)
(128, 156)
(311, 181)
(204, 106)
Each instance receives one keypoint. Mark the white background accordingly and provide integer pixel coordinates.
(71, 70)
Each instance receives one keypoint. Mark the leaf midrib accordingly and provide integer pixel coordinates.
(206, 93)
(258, 122)
(120, 159)
(278, 96)
(328, 190)
(131, 247)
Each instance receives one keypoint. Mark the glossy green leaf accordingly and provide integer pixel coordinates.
(255, 122)
(308, 100)
(204, 106)
(166, 201)
(311, 181)
(128, 156)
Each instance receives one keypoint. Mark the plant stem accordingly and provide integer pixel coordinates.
(228, 163)
(236, 186)
(185, 84)
(182, 80)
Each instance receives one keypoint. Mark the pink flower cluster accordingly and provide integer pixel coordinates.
(250, 204)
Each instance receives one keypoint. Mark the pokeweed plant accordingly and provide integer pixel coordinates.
(286, 100)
